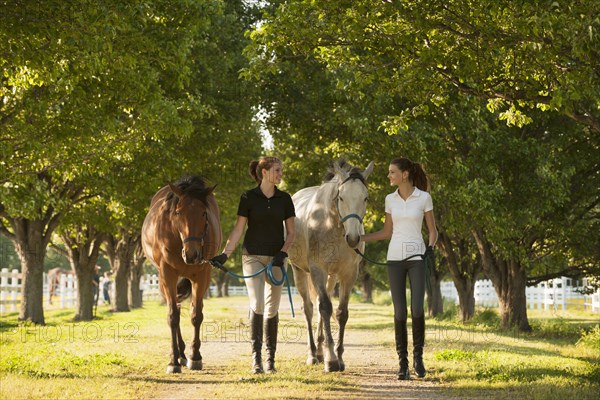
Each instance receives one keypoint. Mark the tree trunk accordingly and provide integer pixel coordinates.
(513, 299)
(83, 249)
(137, 271)
(135, 297)
(32, 285)
(121, 266)
(509, 279)
(225, 288)
(466, 298)
(366, 281)
(464, 271)
(120, 252)
(85, 295)
(367, 288)
(222, 284)
(30, 244)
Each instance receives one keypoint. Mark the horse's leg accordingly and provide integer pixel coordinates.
(320, 335)
(319, 278)
(301, 279)
(169, 283)
(198, 290)
(181, 342)
(342, 317)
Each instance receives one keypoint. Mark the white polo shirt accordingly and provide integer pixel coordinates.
(407, 219)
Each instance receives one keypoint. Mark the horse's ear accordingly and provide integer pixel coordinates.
(339, 171)
(175, 189)
(368, 170)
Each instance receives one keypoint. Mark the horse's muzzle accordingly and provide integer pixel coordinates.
(192, 256)
(353, 240)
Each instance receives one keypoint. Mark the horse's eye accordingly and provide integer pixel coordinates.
(341, 199)
(177, 212)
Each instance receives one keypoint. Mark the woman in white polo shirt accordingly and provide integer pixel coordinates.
(405, 209)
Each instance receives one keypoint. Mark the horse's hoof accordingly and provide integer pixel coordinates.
(312, 360)
(183, 361)
(320, 358)
(174, 369)
(194, 365)
(332, 366)
(342, 366)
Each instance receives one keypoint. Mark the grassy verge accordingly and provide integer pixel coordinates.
(124, 356)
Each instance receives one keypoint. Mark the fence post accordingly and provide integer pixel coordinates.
(71, 291)
(15, 290)
(563, 292)
(62, 284)
(3, 289)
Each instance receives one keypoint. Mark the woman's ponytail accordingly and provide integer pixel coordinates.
(416, 174)
(419, 177)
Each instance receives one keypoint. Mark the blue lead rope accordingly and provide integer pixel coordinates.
(268, 269)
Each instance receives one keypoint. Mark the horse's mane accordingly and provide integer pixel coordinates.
(193, 186)
(354, 172)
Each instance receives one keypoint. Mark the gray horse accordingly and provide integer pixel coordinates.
(328, 228)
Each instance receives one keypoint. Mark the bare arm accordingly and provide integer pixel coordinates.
(290, 231)
(431, 228)
(383, 234)
(235, 235)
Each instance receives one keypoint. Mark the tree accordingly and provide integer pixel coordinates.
(78, 82)
(82, 243)
(519, 56)
(417, 77)
(136, 274)
(464, 267)
(29, 224)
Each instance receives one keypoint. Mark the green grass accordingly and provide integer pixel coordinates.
(124, 356)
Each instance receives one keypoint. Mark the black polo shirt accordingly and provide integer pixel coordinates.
(265, 234)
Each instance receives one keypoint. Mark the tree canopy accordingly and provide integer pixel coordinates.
(103, 103)
(499, 100)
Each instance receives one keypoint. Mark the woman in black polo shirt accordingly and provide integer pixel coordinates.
(266, 210)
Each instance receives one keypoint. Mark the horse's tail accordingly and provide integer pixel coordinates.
(184, 289)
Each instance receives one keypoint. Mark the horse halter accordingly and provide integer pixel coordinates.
(201, 238)
(352, 215)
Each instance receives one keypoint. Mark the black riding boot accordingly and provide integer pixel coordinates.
(271, 342)
(256, 338)
(418, 330)
(402, 348)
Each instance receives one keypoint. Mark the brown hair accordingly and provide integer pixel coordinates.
(256, 167)
(416, 173)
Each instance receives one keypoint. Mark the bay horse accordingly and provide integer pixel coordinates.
(328, 227)
(181, 232)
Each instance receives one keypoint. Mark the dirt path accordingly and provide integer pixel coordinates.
(375, 377)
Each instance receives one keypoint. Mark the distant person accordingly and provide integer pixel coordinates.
(405, 209)
(106, 286)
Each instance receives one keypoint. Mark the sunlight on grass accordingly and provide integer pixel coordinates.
(124, 356)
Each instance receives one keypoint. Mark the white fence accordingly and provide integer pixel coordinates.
(152, 292)
(66, 293)
(553, 294)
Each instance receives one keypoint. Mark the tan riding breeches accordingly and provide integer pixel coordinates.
(264, 296)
